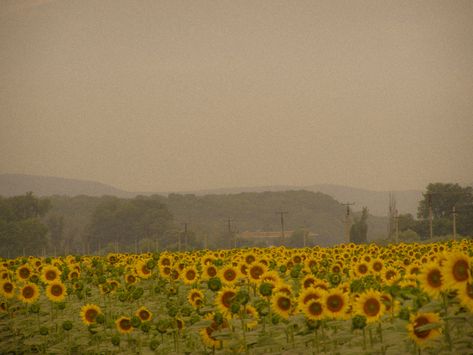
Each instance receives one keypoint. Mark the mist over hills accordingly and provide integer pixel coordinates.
(376, 201)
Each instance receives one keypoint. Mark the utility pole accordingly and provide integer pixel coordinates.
(454, 212)
(397, 226)
(282, 213)
(347, 220)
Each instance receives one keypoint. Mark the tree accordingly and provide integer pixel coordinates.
(359, 230)
(21, 230)
(442, 198)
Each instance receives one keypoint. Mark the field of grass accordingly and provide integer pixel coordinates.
(349, 299)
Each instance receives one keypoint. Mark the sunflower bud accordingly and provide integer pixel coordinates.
(67, 325)
(116, 340)
(214, 284)
(266, 289)
(358, 322)
(135, 321)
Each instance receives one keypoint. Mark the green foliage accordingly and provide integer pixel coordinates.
(359, 230)
(21, 230)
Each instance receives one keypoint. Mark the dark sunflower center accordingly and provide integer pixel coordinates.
(56, 290)
(309, 297)
(434, 278)
(460, 270)
(131, 278)
(227, 298)
(211, 271)
(249, 259)
(377, 266)
(28, 292)
(315, 308)
(8, 287)
(371, 307)
(50, 275)
(308, 282)
(419, 322)
(336, 269)
(90, 315)
(145, 270)
(230, 275)
(390, 274)
(144, 314)
(256, 272)
(125, 324)
(334, 303)
(284, 303)
(297, 259)
(166, 262)
(190, 274)
(362, 269)
(24, 273)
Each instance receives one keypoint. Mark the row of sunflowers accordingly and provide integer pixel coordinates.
(348, 299)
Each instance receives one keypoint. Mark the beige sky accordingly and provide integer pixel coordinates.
(182, 95)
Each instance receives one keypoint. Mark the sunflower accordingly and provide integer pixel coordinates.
(431, 279)
(336, 303)
(56, 291)
(142, 269)
(7, 289)
(207, 332)
(50, 273)
(361, 269)
(73, 275)
(314, 309)
(282, 304)
(309, 294)
(29, 293)
(229, 275)
(253, 317)
(308, 281)
(465, 295)
(195, 297)
(89, 313)
(370, 305)
(24, 272)
(423, 319)
(456, 270)
(224, 299)
(189, 275)
(130, 278)
(124, 325)
(271, 277)
(256, 270)
(209, 271)
(377, 265)
(390, 276)
(144, 314)
(250, 258)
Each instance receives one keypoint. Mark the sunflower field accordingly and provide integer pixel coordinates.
(348, 299)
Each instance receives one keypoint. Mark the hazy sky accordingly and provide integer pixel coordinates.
(182, 95)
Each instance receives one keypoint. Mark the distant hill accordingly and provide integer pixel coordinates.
(376, 201)
(19, 184)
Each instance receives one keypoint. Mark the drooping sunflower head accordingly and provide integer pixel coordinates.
(144, 314)
(56, 291)
(89, 313)
(29, 293)
(417, 333)
(465, 295)
(390, 275)
(142, 269)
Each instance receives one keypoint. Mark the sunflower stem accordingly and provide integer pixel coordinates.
(447, 327)
(370, 333)
(316, 334)
(364, 339)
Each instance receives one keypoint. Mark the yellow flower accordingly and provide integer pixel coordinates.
(190, 275)
(465, 295)
(142, 269)
(24, 272)
(195, 297)
(336, 303)
(224, 299)
(124, 325)
(431, 279)
(50, 273)
(282, 305)
(314, 309)
(420, 336)
(370, 305)
(456, 270)
(256, 270)
(29, 293)
(89, 313)
(229, 275)
(56, 291)
(7, 288)
(144, 314)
